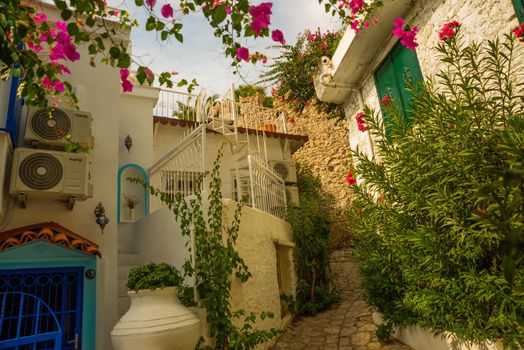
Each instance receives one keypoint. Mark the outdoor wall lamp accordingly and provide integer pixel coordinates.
(100, 214)
(128, 142)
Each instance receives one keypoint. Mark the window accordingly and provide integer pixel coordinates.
(393, 74)
(519, 9)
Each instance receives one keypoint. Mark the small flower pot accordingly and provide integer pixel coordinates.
(131, 216)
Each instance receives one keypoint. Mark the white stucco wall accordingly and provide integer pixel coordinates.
(256, 244)
(158, 238)
(99, 91)
(480, 19)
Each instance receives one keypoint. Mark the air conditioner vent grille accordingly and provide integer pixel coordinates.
(281, 170)
(41, 171)
(51, 127)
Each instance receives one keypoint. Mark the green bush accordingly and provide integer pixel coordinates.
(311, 234)
(442, 245)
(153, 276)
(293, 70)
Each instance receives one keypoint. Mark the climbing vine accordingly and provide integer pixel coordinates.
(216, 262)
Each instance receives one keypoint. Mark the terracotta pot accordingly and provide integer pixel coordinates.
(156, 320)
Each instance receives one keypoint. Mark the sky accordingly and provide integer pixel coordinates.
(201, 57)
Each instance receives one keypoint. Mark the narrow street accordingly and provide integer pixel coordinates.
(347, 326)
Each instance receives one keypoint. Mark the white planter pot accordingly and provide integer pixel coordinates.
(156, 320)
(131, 214)
(420, 339)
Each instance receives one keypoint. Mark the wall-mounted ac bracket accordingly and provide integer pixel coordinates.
(71, 203)
(21, 200)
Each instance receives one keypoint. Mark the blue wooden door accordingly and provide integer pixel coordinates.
(60, 289)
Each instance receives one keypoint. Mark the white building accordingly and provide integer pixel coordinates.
(52, 247)
(367, 64)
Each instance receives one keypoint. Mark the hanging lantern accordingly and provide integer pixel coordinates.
(128, 142)
(100, 214)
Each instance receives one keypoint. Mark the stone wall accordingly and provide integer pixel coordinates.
(327, 153)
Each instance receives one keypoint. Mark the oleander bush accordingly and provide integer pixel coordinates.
(439, 216)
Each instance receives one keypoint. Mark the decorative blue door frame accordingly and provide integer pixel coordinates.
(119, 188)
(42, 254)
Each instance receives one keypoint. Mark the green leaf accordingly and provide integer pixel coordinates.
(66, 14)
(72, 28)
(219, 14)
(114, 52)
(60, 4)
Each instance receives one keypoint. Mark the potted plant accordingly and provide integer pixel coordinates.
(131, 202)
(156, 320)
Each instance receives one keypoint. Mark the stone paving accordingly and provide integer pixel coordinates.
(346, 326)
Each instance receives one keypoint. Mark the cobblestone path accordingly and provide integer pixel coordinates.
(346, 326)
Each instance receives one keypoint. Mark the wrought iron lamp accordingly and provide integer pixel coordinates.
(101, 219)
(128, 142)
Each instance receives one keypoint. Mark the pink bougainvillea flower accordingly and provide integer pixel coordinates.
(70, 53)
(43, 37)
(149, 74)
(448, 30)
(62, 26)
(228, 10)
(127, 86)
(408, 40)
(261, 16)
(277, 36)
(519, 32)
(386, 100)
(39, 18)
(243, 54)
(398, 30)
(356, 5)
(59, 86)
(151, 3)
(217, 3)
(350, 180)
(47, 83)
(406, 34)
(166, 11)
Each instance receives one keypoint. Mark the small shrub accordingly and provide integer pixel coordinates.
(153, 276)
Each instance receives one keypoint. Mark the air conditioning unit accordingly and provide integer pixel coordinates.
(57, 127)
(292, 194)
(286, 170)
(40, 173)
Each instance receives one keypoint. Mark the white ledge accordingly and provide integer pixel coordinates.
(355, 53)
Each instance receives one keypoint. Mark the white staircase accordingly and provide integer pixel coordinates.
(246, 129)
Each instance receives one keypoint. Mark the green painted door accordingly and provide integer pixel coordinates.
(392, 76)
(519, 9)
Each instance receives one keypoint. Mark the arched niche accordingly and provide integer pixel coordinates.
(131, 189)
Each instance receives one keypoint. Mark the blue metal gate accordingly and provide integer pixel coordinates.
(58, 288)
